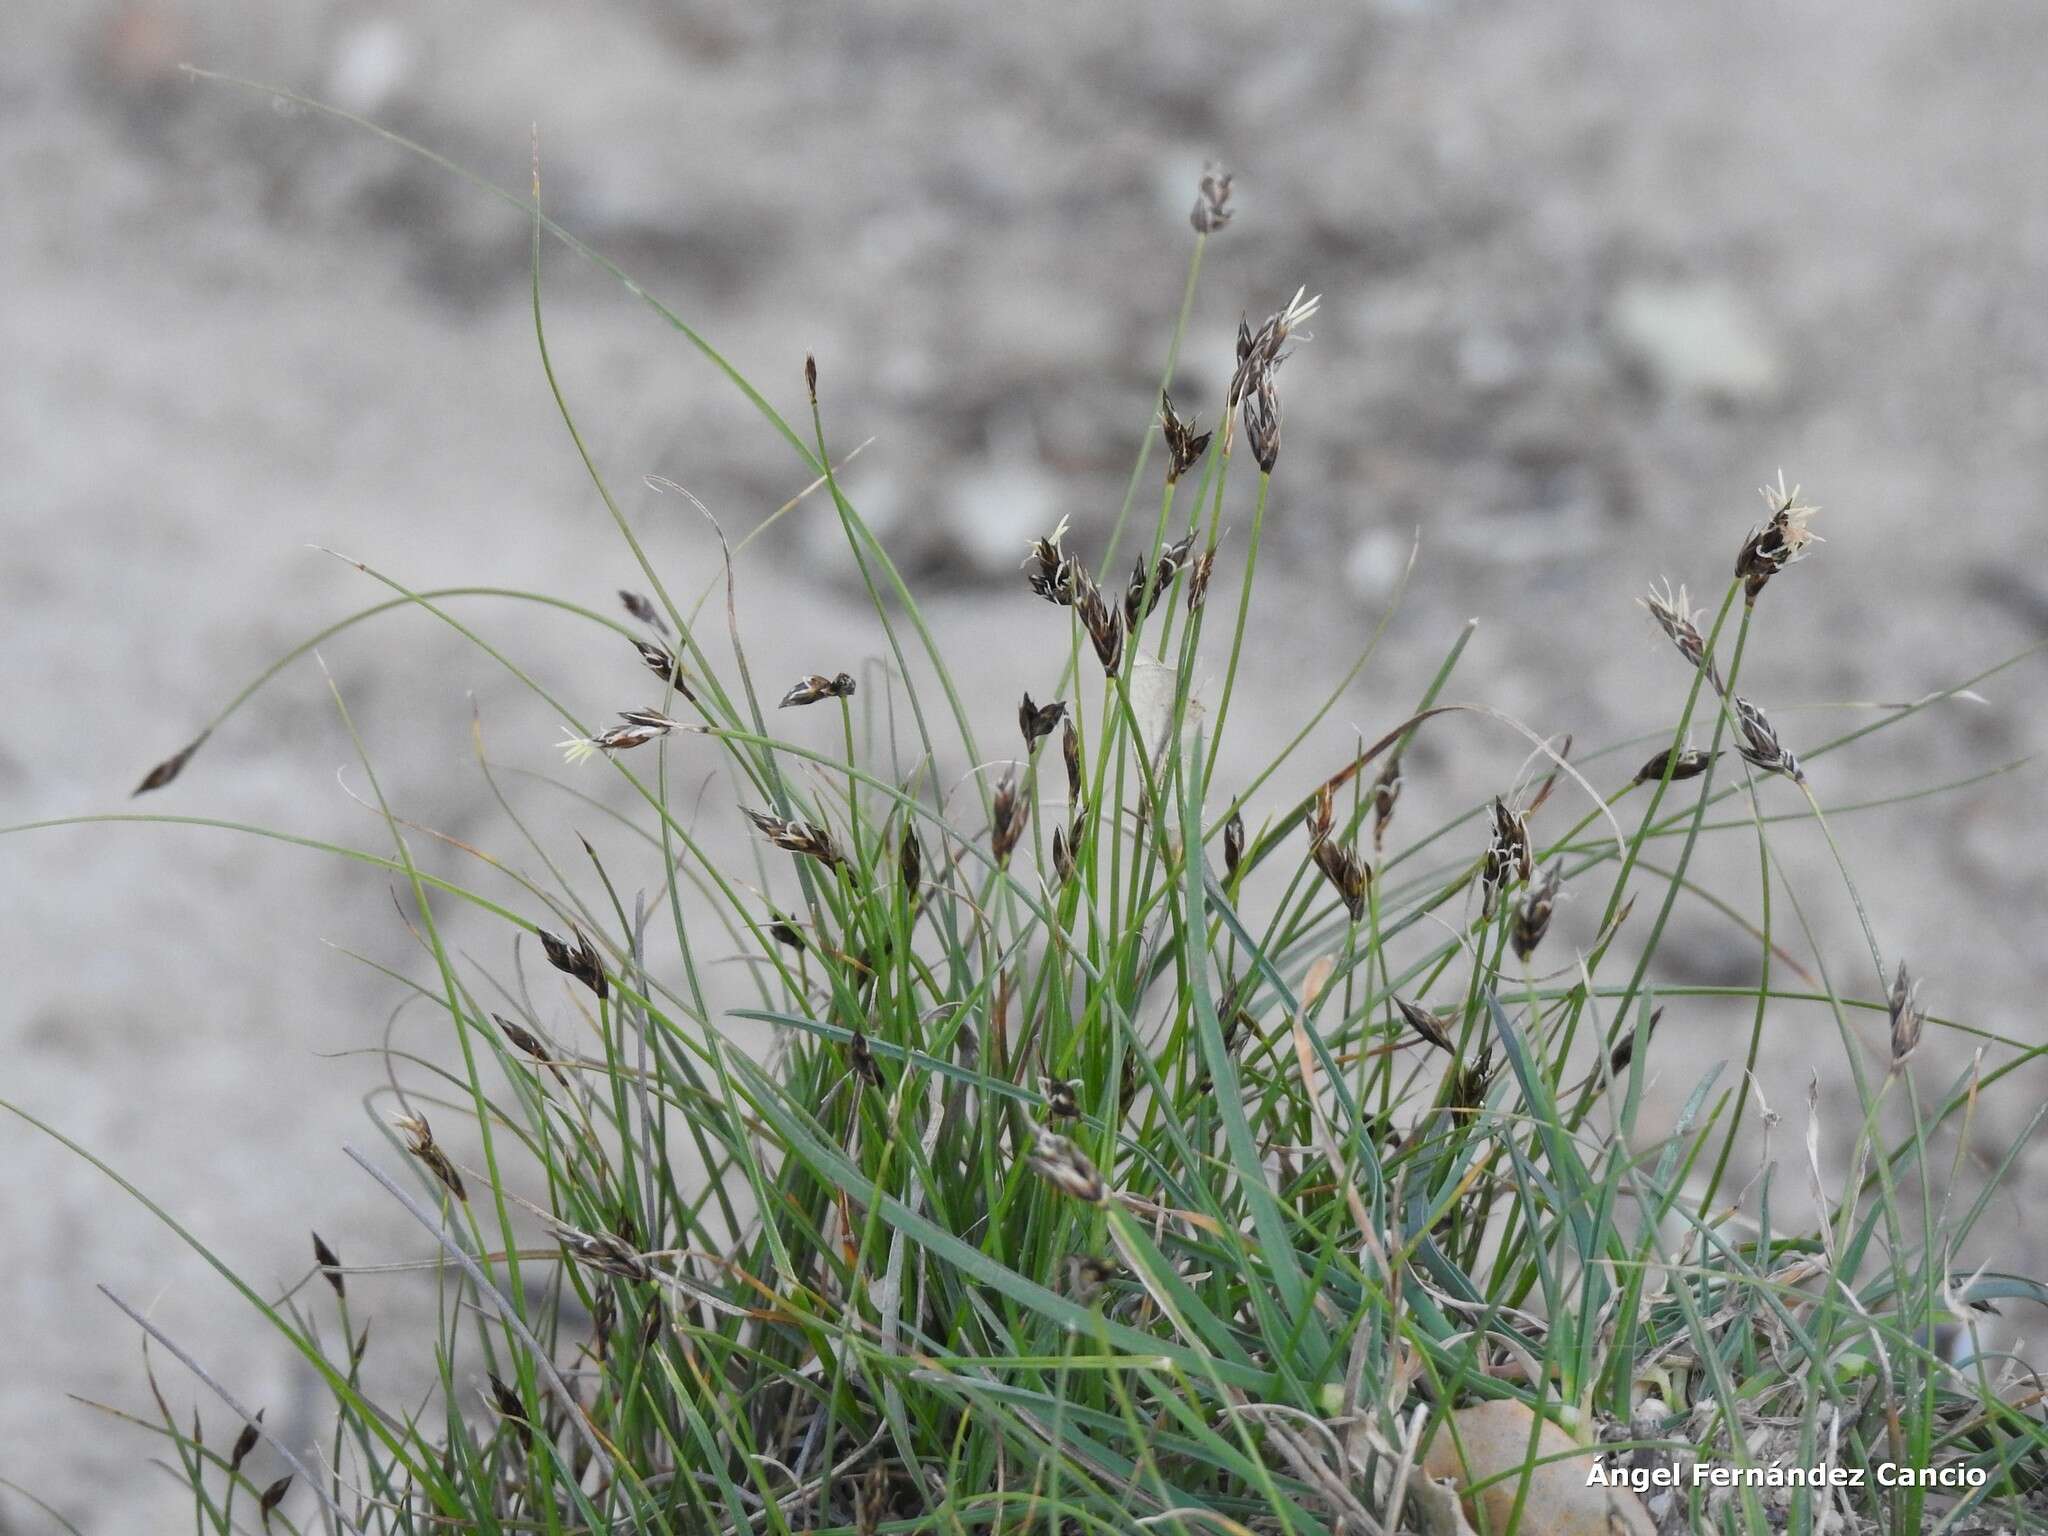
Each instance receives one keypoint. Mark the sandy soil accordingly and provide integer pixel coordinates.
(1591, 273)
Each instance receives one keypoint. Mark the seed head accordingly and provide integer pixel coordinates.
(1037, 720)
(604, 1251)
(1386, 790)
(330, 1266)
(1347, 873)
(1433, 1027)
(1469, 1081)
(1212, 202)
(272, 1497)
(1062, 1097)
(800, 837)
(910, 864)
(1070, 754)
(579, 960)
(1684, 762)
(1184, 445)
(1760, 746)
(667, 666)
(1508, 857)
(171, 766)
(1233, 844)
(1260, 352)
(1199, 570)
(1780, 541)
(1105, 625)
(1532, 917)
(1087, 1275)
(1008, 815)
(1062, 856)
(1066, 1167)
(641, 726)
(1053, 571)
(1908, 1017)
(1675, 615)
(1624, 1050)
(1261, 412)
(643, 610)
(245, 1442)
(419, 1140)
(862, 1061)
(809, 690)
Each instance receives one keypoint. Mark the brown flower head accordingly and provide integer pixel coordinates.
(1212, 202)
(579, 960)
(1532, 917)
(799, 837)
(809, 690)
(1036, 721)
(1780, 541)
(1676, 616)
(1184, 445)
(1053, 571)
(1760, 747)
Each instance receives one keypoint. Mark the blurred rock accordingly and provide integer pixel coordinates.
(1696, 338)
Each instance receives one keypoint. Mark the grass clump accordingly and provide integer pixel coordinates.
(1134, 1150)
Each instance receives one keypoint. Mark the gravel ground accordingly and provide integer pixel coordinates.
(1591, 273)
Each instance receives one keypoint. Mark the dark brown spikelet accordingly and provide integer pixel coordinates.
(1087, 1275)
(666, 665)
(861, 1061)
(1470, 1080)
(1212, 201)
(1008, 815)
(1675, 615)
(1184, 445)
(652, 1322)
(1198, 579)
(505, 1403)
(1532, 917)
(1062, 1098)
(1432, 1027)
(811, 377)
(910, 864)
(606, 1252)
(1760, 746)
(640, 727)
(272, 1497)
(419, 1140)
(809, 690)
(1908, 1018)
(330, 1266)
(1067, 1168)
(1054, 573)
(1233, 844)
(522, 1038)
(1386, 792)
(1036, 721)
(171, 766)
(786, 933)
(1105, 625)
(799, 837)
(1070, 754)
(1624, 1050)
(1261, 413)
(640, 608)
(1780, 541)
(1347, 873)
(1508, 857)
(1684, 762)
(579, 960)
(1062, 856)
(245, 1442)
